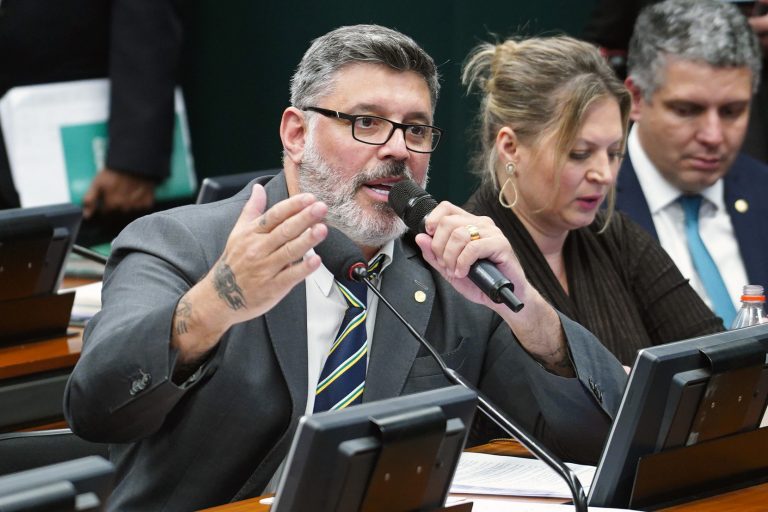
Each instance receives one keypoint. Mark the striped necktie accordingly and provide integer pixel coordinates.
(342, 380)
(703, 262)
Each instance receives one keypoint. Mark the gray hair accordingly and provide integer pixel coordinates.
(374, 44)
(708, 31)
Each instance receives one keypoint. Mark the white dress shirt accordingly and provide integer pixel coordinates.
(715, 225)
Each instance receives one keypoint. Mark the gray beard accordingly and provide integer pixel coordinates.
(364, 228)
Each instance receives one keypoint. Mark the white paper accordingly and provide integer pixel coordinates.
(32, 117)
(508, 505)
(87, 302)
(480, 473)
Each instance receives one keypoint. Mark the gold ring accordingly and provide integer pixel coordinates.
(474, 233)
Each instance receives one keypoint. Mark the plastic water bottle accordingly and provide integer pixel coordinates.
(752, 311)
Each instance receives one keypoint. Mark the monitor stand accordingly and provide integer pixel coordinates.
(401, 476)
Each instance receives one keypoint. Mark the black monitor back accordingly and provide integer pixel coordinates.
(78, 485)
(34, 244)
(216, 188)
(336, 458)
(665, 404)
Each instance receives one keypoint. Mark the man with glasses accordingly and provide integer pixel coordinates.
(220, 324)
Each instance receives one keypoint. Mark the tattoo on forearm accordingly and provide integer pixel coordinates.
(226, 286)
(183, 313)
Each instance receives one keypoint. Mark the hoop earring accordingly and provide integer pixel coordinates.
(511, 171)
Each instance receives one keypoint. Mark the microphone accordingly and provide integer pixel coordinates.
(412, 204)
(345, 260)
(341, 256)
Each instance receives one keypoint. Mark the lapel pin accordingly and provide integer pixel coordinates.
(741, 205)
(419, 296)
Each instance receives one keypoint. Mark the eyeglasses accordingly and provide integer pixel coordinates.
(375, 130)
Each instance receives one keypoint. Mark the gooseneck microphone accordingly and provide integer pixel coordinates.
(345, 260)
(412, 204)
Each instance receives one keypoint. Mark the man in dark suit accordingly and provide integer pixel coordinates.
(137, 44)
(610, 27)
(217, 318)
(693, 68)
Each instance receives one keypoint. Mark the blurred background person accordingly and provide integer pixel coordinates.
(553, 120)
(137, 44)
(693, 68)
(610, 27)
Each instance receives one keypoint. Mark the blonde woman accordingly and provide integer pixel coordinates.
(552, 127)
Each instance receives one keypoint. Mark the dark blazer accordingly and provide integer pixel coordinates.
(136, 43)
(222, 435)
(746, 180)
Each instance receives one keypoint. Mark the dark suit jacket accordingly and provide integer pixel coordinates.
(137, 43)
(746, 180)
(223, 434)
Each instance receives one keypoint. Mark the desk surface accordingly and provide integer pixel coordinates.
(41, 356)
(751, 499)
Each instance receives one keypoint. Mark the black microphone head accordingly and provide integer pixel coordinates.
(341, 256)
(411, 203)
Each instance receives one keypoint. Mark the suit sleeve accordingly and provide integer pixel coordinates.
(571, 416)
(671, 310)
(121, 388)
(145, 50)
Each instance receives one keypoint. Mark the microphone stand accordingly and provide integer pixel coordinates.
(488, 408)
(89, 254)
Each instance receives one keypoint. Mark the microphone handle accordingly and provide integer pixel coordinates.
(495, 414)
(494, 284)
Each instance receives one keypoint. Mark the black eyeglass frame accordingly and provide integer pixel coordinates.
(352, 118)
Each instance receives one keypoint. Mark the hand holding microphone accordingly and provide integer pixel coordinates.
(454, 242)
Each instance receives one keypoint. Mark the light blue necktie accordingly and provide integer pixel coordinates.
(702, 261)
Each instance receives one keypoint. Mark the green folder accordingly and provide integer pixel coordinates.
(85, 149)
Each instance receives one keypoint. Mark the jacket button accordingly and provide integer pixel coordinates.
(595, 390)
(140, 383)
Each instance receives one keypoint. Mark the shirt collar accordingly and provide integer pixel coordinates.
(659, 193)
(323, 278)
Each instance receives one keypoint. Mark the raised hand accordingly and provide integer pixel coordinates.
(263, 260)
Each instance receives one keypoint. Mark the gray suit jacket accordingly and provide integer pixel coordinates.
(221, 435)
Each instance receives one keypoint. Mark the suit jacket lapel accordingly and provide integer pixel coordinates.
(393, 348)
(631, 200)
(289, 338)
(749, 225)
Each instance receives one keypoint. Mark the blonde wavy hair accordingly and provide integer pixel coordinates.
(538, 87)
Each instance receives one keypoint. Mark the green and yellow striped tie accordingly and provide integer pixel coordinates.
(342, 380)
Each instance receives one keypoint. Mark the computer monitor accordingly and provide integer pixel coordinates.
(77, 485)
(682, 394)
(34, 244)
(399, 454)
(216, 188)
